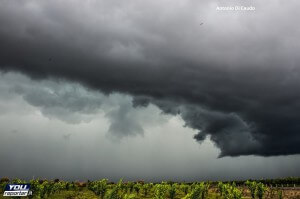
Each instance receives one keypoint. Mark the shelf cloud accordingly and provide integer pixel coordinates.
(232, 77)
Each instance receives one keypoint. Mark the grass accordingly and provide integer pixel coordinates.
(84, 193)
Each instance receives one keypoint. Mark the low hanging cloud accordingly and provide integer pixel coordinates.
(236, 82)
(74, 104)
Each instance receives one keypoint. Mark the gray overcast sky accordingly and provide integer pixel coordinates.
(44, 133)
(149, 89)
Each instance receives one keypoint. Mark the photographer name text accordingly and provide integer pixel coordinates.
(235, 8)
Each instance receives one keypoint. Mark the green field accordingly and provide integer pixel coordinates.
(103, 189)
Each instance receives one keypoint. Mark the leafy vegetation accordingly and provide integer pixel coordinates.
(103, 189)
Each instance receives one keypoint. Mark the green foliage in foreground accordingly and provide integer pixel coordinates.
(103, 189)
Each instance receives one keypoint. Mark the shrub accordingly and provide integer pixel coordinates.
(221, 188)
(4, 180)
(252, 187)
(99, 187)
(160, 191)
(137, 187)
(184, 188)
(146, 187)
(172, 190)
(197, 192)
(260, 190)
(236, 194)
(114, 193)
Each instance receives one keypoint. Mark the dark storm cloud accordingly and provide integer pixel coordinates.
(74, 104)
(123, 123)
(226, 130)
(234, 78)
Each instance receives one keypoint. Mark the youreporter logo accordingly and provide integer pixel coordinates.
(17, 190)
